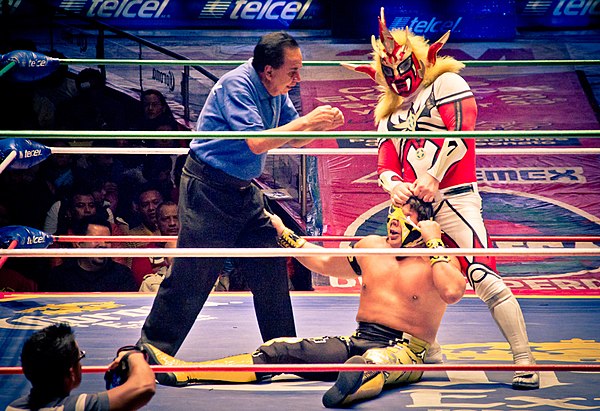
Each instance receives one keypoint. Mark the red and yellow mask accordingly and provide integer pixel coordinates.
(401, 68)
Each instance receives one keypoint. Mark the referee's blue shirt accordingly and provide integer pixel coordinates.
(239, 102)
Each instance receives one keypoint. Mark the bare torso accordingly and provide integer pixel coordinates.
(399, 293)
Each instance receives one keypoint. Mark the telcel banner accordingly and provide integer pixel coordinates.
(467, 19)
(174, 14)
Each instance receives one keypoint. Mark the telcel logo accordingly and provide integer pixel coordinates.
(145, 9)
(31, 153)
(433, 26)
(35, 240)
(271, 10)
(577, 8)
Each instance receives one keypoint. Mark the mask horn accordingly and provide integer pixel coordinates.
(363, 68)
(386, 38)
(407, 46)
(435, 47)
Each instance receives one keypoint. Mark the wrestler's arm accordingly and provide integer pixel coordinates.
(457, 116)
(322, 118)
(388, 169)
(447, 277)
(333, 266)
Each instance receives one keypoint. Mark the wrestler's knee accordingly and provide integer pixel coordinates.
(277, 349)
(399, 354)
(498, 298)
(485, 281)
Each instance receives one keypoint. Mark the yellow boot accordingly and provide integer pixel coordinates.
(180, 379)
(353, 386)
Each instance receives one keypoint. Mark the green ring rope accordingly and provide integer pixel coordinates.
(468, 63)
(35, 134)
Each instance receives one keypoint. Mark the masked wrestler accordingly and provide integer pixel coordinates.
(423, 92)
(402, 302)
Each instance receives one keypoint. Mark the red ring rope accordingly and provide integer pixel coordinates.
(165, 239)
(292, 368)
(13, 244)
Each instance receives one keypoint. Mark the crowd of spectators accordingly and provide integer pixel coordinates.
(83, 194)
(124, 208)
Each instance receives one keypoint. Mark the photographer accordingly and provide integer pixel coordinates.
(51, 360)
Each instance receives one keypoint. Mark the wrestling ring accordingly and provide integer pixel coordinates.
(564, 330)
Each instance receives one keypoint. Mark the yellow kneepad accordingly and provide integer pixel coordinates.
(399, 354)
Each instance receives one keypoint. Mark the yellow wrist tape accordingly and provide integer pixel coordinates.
(290, 239)
(436, 243)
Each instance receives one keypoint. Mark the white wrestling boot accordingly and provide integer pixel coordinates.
(434, 354)
(508, 315)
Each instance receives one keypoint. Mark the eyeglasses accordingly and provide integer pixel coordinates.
(81, 355)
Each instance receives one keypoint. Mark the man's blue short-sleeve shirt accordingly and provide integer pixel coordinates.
(239, 102)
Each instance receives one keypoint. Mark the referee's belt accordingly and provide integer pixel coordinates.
(199, 167)
(454, 191)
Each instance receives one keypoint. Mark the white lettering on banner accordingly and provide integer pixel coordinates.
(517, 141)
(37, 63)
(536, 7)
(577, 8)
(480, 88)
(270, 10)
(548, 284)
(506, 175)
(439, 400)
(591, 283)
(554, 403)
(529, 99)
(434, 25)
(31, 153)
(432, 399)
(145, 9)
(547, 244)
(541, 175)
(35, 240)
(358, 90)
(69, 312)
(27, 322)
(584, 284)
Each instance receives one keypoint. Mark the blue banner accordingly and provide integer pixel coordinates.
(559, 14)
(467, 19)
(177, 14)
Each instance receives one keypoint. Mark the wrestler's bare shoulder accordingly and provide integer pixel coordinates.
(372, 241)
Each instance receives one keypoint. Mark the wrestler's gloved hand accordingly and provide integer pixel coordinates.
(118, 372)
(26, 237)
(29, 153)
(29, 65)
